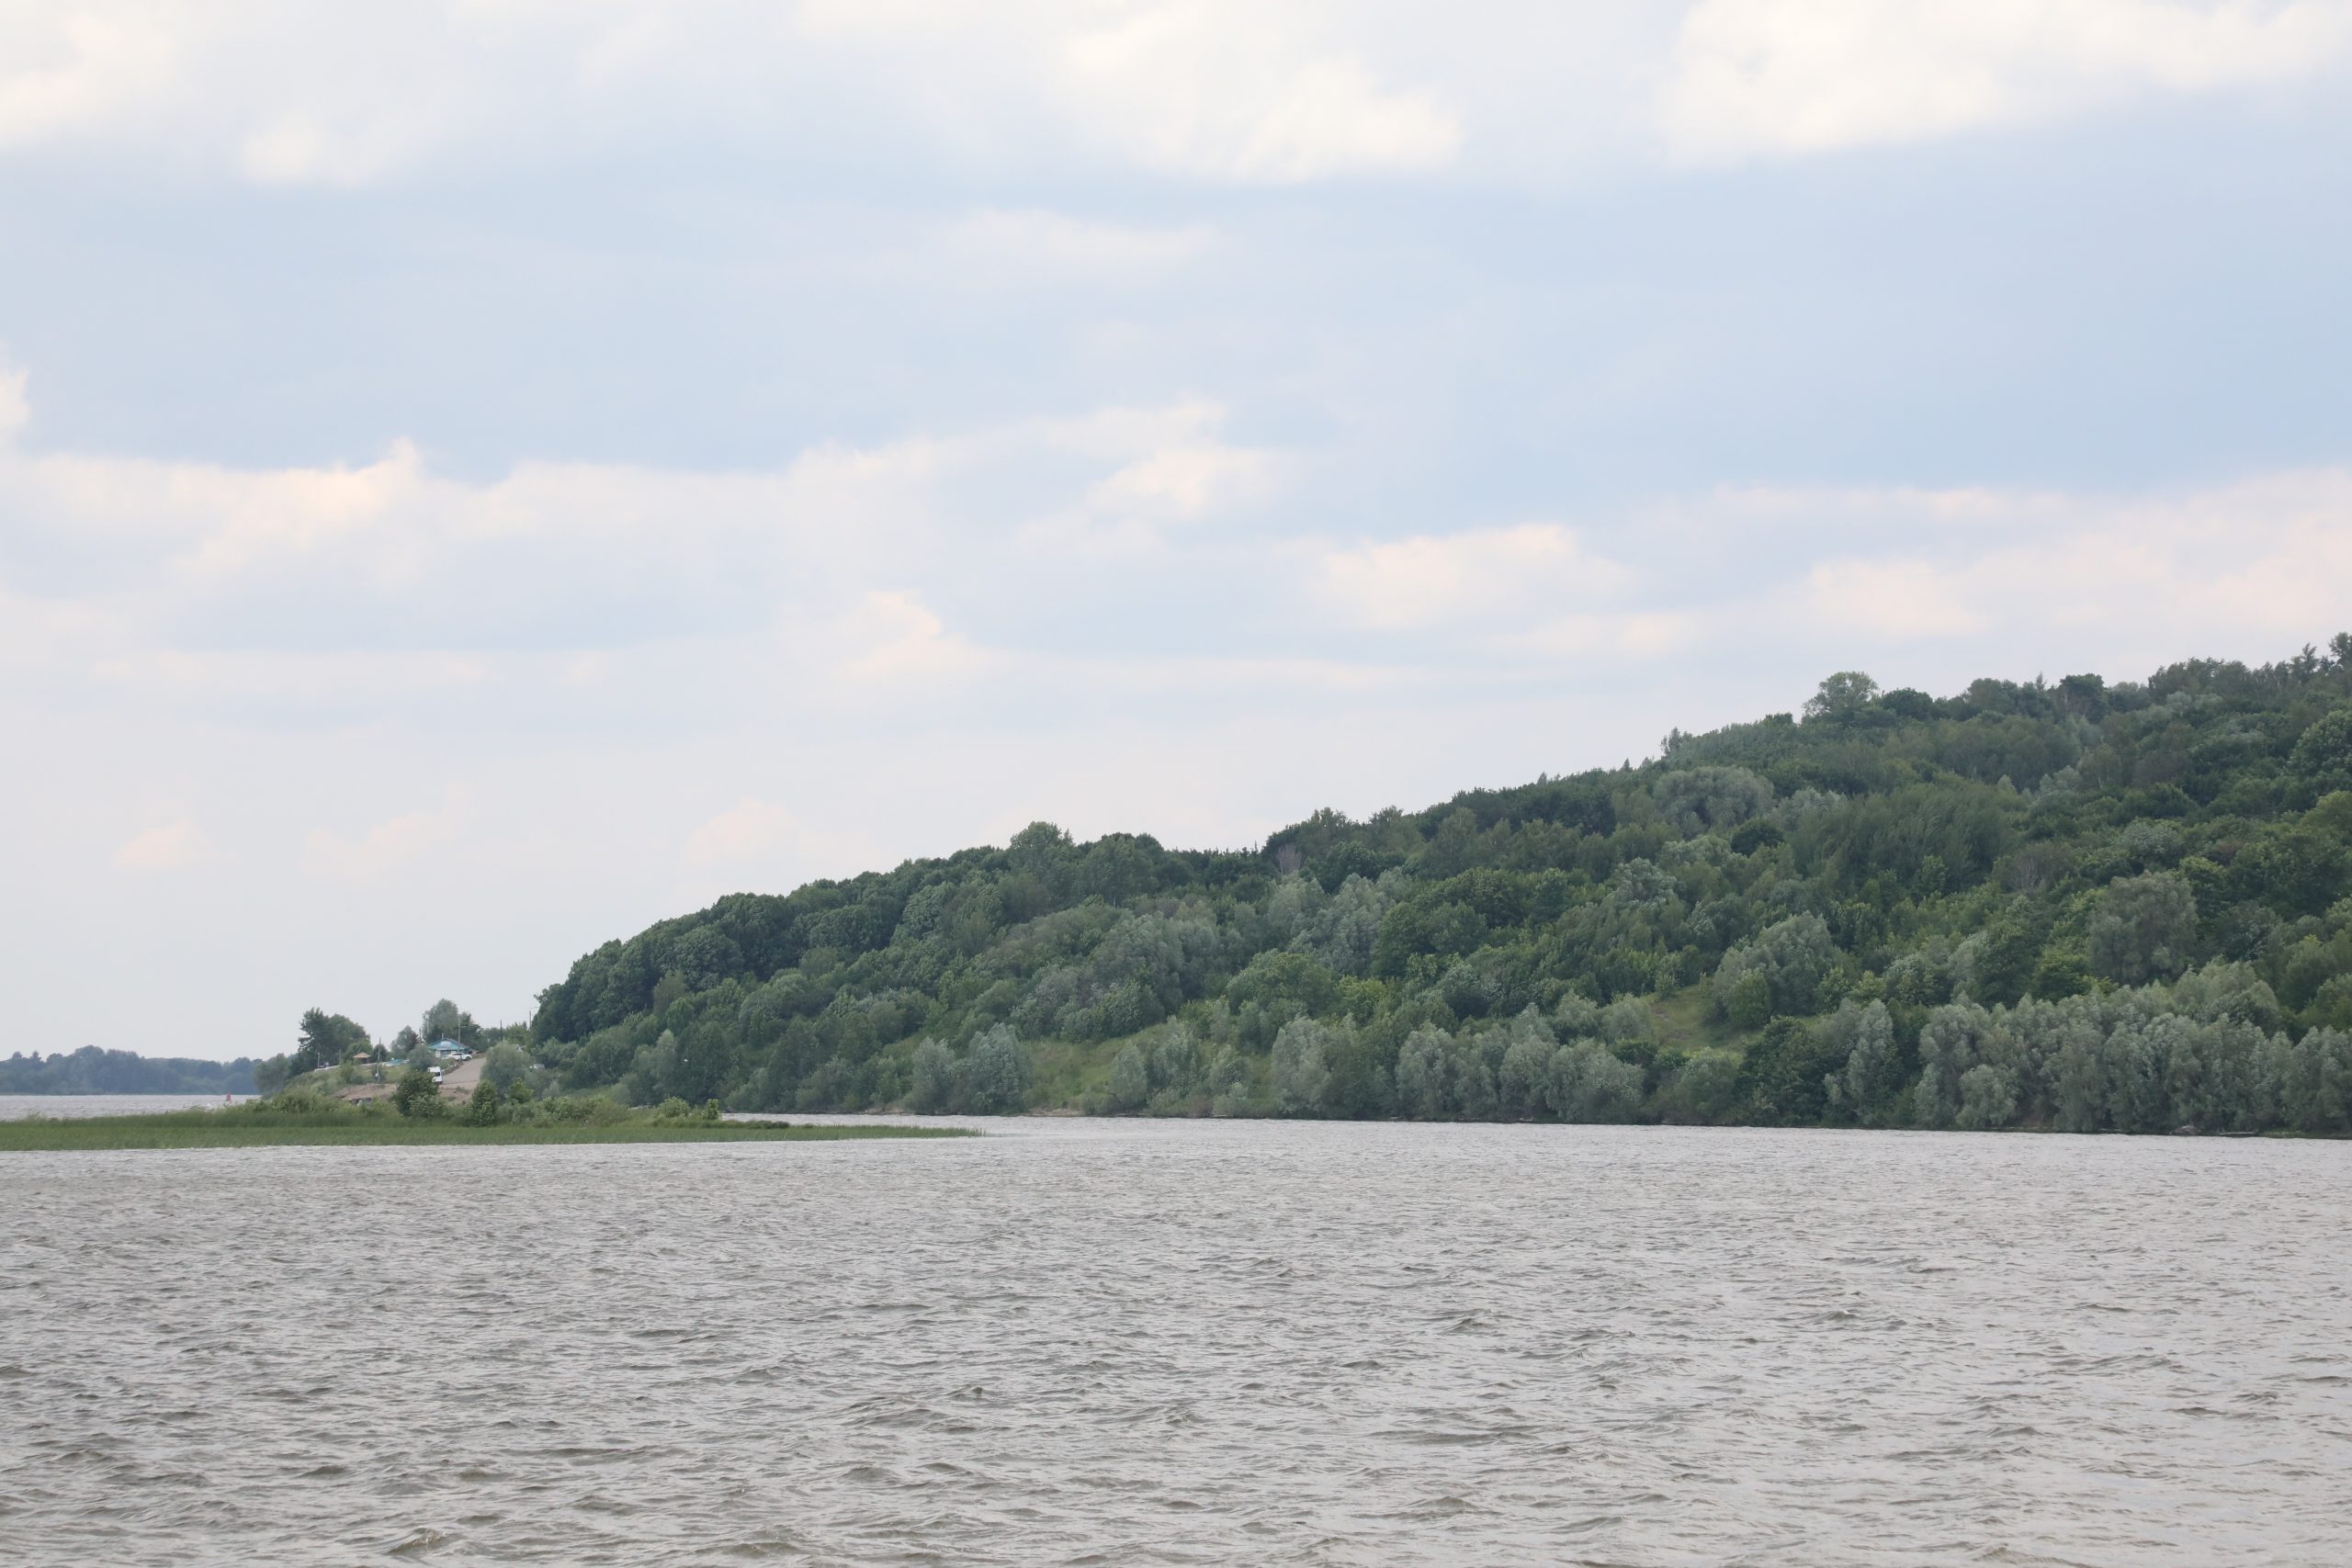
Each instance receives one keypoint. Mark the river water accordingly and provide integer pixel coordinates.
(1096, 1342)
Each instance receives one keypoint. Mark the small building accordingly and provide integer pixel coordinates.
(450, 1051)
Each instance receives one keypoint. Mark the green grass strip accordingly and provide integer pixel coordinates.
(230, 1130)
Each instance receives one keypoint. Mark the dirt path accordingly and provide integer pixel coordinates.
(459, 1082)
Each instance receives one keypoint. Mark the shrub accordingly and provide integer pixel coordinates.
(484, 1110)
(417, 1094)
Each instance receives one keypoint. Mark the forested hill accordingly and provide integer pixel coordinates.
(2072, 905)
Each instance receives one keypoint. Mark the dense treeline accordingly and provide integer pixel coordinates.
(2073, 904)
(92, 1071)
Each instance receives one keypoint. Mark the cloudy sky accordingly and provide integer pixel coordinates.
(479, 476)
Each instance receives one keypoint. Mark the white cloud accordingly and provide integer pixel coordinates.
(1033, 245)
(1480, 574)
(749, 829)
(15, 411)
(71, 68)
(2219, 567)
(1903, 599)
(1780, 78)
(1226, 91)
(387, 846)
(344, 588)
(175, 845)
(1129, 512)
(1647, 635)
(357, 94)
(1185, 481)
(892, 638)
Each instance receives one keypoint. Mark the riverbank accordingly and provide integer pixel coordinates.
(260, 1128)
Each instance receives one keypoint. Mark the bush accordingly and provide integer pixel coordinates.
(997, 1073)
(504, 1067)
(1749, 1001)
(417, 1095)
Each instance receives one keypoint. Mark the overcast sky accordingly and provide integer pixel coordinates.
(477, 478)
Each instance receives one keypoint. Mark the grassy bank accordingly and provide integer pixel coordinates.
(261, 1127)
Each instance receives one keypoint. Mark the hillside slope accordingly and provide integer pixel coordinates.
(2074, 904)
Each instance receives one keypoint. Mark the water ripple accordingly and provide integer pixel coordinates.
(1184, 1343)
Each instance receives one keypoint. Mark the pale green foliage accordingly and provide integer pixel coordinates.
(1588, 1084)
(1626, 1021)
(1871, 1063)
(1701, 1090)
(934, 1077)
(2144, 930)
(1229, 1085)
(1300, 1076)
(1141, 970)
(1793, 957)
(1130, 1079)
(1641, 885)
(1748, 1003)
(1575, 1015)
(2315, 1087)
(1699, 800)
(505, 1066)
(2226, 991)
(1955, 1040)
(1179, 1066)
(996, 1074)
(1523, 1078)
(1422, 1074)
(1842, 697)
(1340, 936)
(1988, 1098)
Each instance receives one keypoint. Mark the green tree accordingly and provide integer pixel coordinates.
(1872, 1069)
(1301, 1078)
(447, 1020)
(997, 1073)
(2145, 928)
(1988, 1098)
(505, 1066)
(416, 1094)
(1130, 1079)
(1793, 956)
(1843, 698)
(2323, 753)
(323, 1040)
(934, 1081)
(1782, 1075)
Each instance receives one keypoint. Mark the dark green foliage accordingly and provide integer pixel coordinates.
(1784, 1075)
(418, 1095)
(484, 1110)
(1806, 902)
(92, 1071)
(324, 1040)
